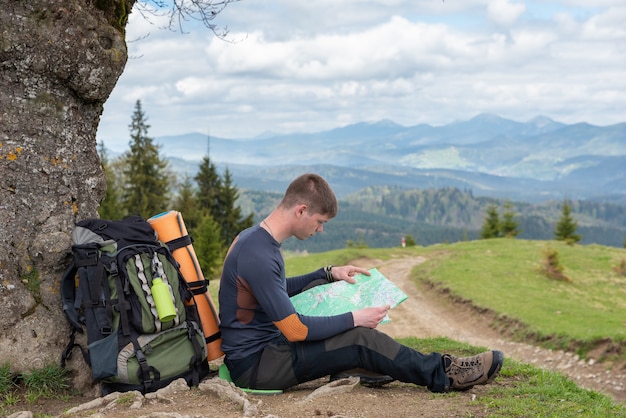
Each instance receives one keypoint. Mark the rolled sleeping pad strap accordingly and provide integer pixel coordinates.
(170, 228)
(181, 242)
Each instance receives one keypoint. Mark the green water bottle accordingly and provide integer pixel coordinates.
(163, 300)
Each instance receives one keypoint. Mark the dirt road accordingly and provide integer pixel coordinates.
(424, 315)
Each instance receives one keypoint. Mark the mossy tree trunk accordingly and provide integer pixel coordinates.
(59, 61)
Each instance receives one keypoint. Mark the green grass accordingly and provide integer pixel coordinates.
(295, 264)
(8, 389)
(522, 390)
(48, 382)
(530, 391)
(503, 275)
(7, 386)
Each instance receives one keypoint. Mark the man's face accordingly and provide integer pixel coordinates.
(310, 224)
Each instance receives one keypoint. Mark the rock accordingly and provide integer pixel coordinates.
(333, 388)
(21, 414)
(60, 62)
(228, 390)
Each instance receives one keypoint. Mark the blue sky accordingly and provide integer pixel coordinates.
(303, 66)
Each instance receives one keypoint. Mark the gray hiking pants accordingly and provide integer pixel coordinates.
(282, 364)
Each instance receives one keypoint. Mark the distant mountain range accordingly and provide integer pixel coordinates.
(526, 161)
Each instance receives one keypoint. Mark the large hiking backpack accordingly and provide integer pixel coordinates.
(129, 347)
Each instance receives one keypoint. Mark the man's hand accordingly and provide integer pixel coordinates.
(369, 317)
(346, 273)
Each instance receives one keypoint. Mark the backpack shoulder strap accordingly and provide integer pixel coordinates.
(68, 296)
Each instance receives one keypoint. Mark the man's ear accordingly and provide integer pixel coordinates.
(301, 210)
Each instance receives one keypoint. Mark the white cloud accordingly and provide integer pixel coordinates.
(607, 26)
(294, 65)
(504, 12)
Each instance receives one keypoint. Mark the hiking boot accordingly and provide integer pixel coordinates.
(367, 378)
(465, 372)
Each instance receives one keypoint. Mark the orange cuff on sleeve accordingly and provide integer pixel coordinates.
(292, 328)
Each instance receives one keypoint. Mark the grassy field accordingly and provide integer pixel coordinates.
(503, 276)
(527, 391)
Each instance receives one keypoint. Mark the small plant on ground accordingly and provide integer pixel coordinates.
(10, 399)
(32, 280)
(126, 399)
(6, 381)
(551, 266)
(620, 269)
(47, 382)
(7, 387)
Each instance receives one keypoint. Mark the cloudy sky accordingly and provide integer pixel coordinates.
(307, 66)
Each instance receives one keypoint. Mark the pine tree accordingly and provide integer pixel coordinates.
(209, 188)
(216, 196)
(491, 226)
(147, 188)
(110, 205)
(509, 226)
(186, 203)
(230, 216)
(201, 227)
(208, 246)
(565, 229)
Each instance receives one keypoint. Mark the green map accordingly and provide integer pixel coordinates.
(340, 297)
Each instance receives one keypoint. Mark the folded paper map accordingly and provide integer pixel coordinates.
(340, 297)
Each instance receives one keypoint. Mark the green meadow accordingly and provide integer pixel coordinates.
(505, 278)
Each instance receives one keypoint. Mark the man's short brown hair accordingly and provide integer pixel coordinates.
(315, 192)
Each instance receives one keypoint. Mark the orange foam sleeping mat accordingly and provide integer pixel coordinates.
(171, 230)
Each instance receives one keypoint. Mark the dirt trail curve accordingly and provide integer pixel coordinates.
(423, 315)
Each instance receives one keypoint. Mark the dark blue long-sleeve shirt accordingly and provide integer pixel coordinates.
(254, 299)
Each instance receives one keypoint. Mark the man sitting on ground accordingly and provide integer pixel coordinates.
(268, 345)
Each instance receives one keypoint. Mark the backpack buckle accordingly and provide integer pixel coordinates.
(113, 269)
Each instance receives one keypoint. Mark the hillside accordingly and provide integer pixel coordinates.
(527, 161)
(431, 182)
(378, 217)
